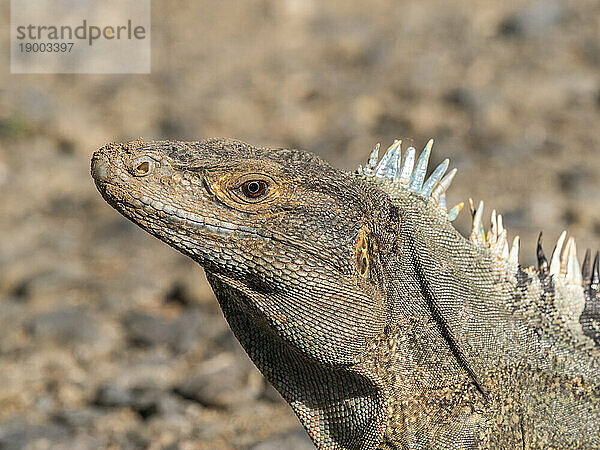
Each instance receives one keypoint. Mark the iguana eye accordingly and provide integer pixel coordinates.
(249, 191)
(254, 189)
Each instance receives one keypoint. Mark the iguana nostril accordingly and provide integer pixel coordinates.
(143, 168)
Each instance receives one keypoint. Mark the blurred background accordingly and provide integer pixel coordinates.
(110, 339)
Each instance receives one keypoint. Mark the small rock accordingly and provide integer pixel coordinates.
(194, 325)
(296, 439)
(79, 417)
(575, 179)
(113, 396)
(533, 19)
(146, 402)
(223, 381)
(462, 98)
(19, 435)
(79, 442)
(71, 323)
(131, 440)
(179, 293)
(147, 330)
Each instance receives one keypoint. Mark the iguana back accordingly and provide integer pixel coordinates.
(375, 319)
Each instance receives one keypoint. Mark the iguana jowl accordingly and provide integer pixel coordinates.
(354, 295)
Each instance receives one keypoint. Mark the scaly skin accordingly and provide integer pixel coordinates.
(379, 324)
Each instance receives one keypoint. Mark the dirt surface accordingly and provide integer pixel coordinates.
(110, 339)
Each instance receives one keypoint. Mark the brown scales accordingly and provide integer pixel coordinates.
(379, 323)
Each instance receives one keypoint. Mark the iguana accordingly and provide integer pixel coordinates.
(358, 300)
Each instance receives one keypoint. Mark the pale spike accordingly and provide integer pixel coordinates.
(435, 177)
(498, 244)
(443, 185)
(407, 165)
(502, 245)
(421, 168)
(438, 190)
(513, 257)
(541, 257)
(442, 200)
(373, 158)
(564, 258)
(493, 234)
(475, 236)
(555, 261)
(394, 165)
(386, 162)
(453, 213)
(394, 171)
(505, 251)
(471, 207)
(481, 234)
(500, 223)
(573, 268)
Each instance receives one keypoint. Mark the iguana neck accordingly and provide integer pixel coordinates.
(349, 413)
(463, 332)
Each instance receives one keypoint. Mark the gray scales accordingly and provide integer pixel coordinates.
(354, 295)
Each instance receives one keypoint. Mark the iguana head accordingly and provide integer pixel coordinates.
(287, 232)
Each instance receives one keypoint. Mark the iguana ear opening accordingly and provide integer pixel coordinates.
(362, 252)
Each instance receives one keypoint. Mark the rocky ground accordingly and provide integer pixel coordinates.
(109, 339)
